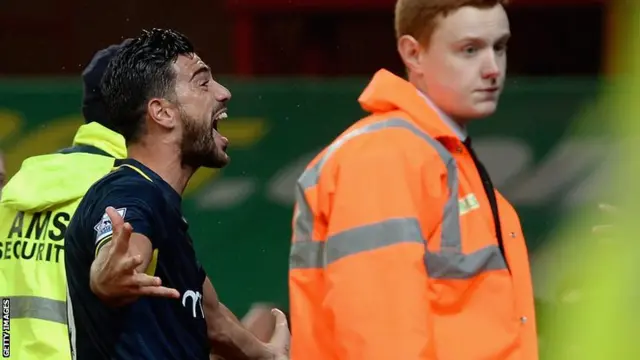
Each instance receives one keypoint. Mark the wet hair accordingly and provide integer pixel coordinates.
(140, 71)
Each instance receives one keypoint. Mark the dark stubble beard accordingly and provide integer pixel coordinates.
(198, 146)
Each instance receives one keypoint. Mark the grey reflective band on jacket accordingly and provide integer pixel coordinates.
(34, 307)
(448, 263)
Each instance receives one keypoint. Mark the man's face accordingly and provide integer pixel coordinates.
(464, 66)
(202, 103)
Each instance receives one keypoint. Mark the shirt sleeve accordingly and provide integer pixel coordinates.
(134, 201)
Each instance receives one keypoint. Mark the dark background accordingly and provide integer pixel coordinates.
(252, 37)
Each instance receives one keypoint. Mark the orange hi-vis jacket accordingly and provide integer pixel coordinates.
(395, 254)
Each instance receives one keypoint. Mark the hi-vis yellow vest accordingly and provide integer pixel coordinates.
(35, 210)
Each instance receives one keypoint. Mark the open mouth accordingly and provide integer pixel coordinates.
(219, 115)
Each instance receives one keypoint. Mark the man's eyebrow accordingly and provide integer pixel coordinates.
(505, 37)
(476, 39)
(202, 69)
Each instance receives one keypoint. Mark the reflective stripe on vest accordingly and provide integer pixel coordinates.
(448, 263)
(34, 307)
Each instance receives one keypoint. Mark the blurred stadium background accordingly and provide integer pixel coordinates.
(295, 68)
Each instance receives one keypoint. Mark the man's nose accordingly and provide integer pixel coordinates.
(490, 69)
(222, 94)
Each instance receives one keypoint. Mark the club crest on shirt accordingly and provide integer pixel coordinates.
(103, 228)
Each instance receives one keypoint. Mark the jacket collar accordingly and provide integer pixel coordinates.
(103, 138)
(460, 131)
(387, 92)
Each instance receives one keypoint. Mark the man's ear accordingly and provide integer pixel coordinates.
(162, 112)
(410, 52)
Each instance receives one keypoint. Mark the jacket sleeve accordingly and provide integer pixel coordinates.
(376, 280)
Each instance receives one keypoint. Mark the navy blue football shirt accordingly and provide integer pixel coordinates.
(151, 327)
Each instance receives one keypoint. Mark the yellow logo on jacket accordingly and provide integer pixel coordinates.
(468, 203)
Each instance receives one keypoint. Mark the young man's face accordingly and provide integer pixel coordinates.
(464, 65)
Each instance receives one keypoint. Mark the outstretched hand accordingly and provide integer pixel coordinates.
(117, 277)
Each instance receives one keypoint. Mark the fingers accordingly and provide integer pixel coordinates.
(132, 263)
(260, 321)
(126, 231)
(146, 285)
(281, 336)
(121, 237)
(142, 279)
(116, 219)
(255, 312)
(281, 318)
(121, 231)
(159, 291)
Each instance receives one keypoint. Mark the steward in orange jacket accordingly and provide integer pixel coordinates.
(402, 249)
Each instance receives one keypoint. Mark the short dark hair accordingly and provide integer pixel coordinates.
(140, 71)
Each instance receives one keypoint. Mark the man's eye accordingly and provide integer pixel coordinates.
(470, 50)
(501, 48)
(204, 83)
